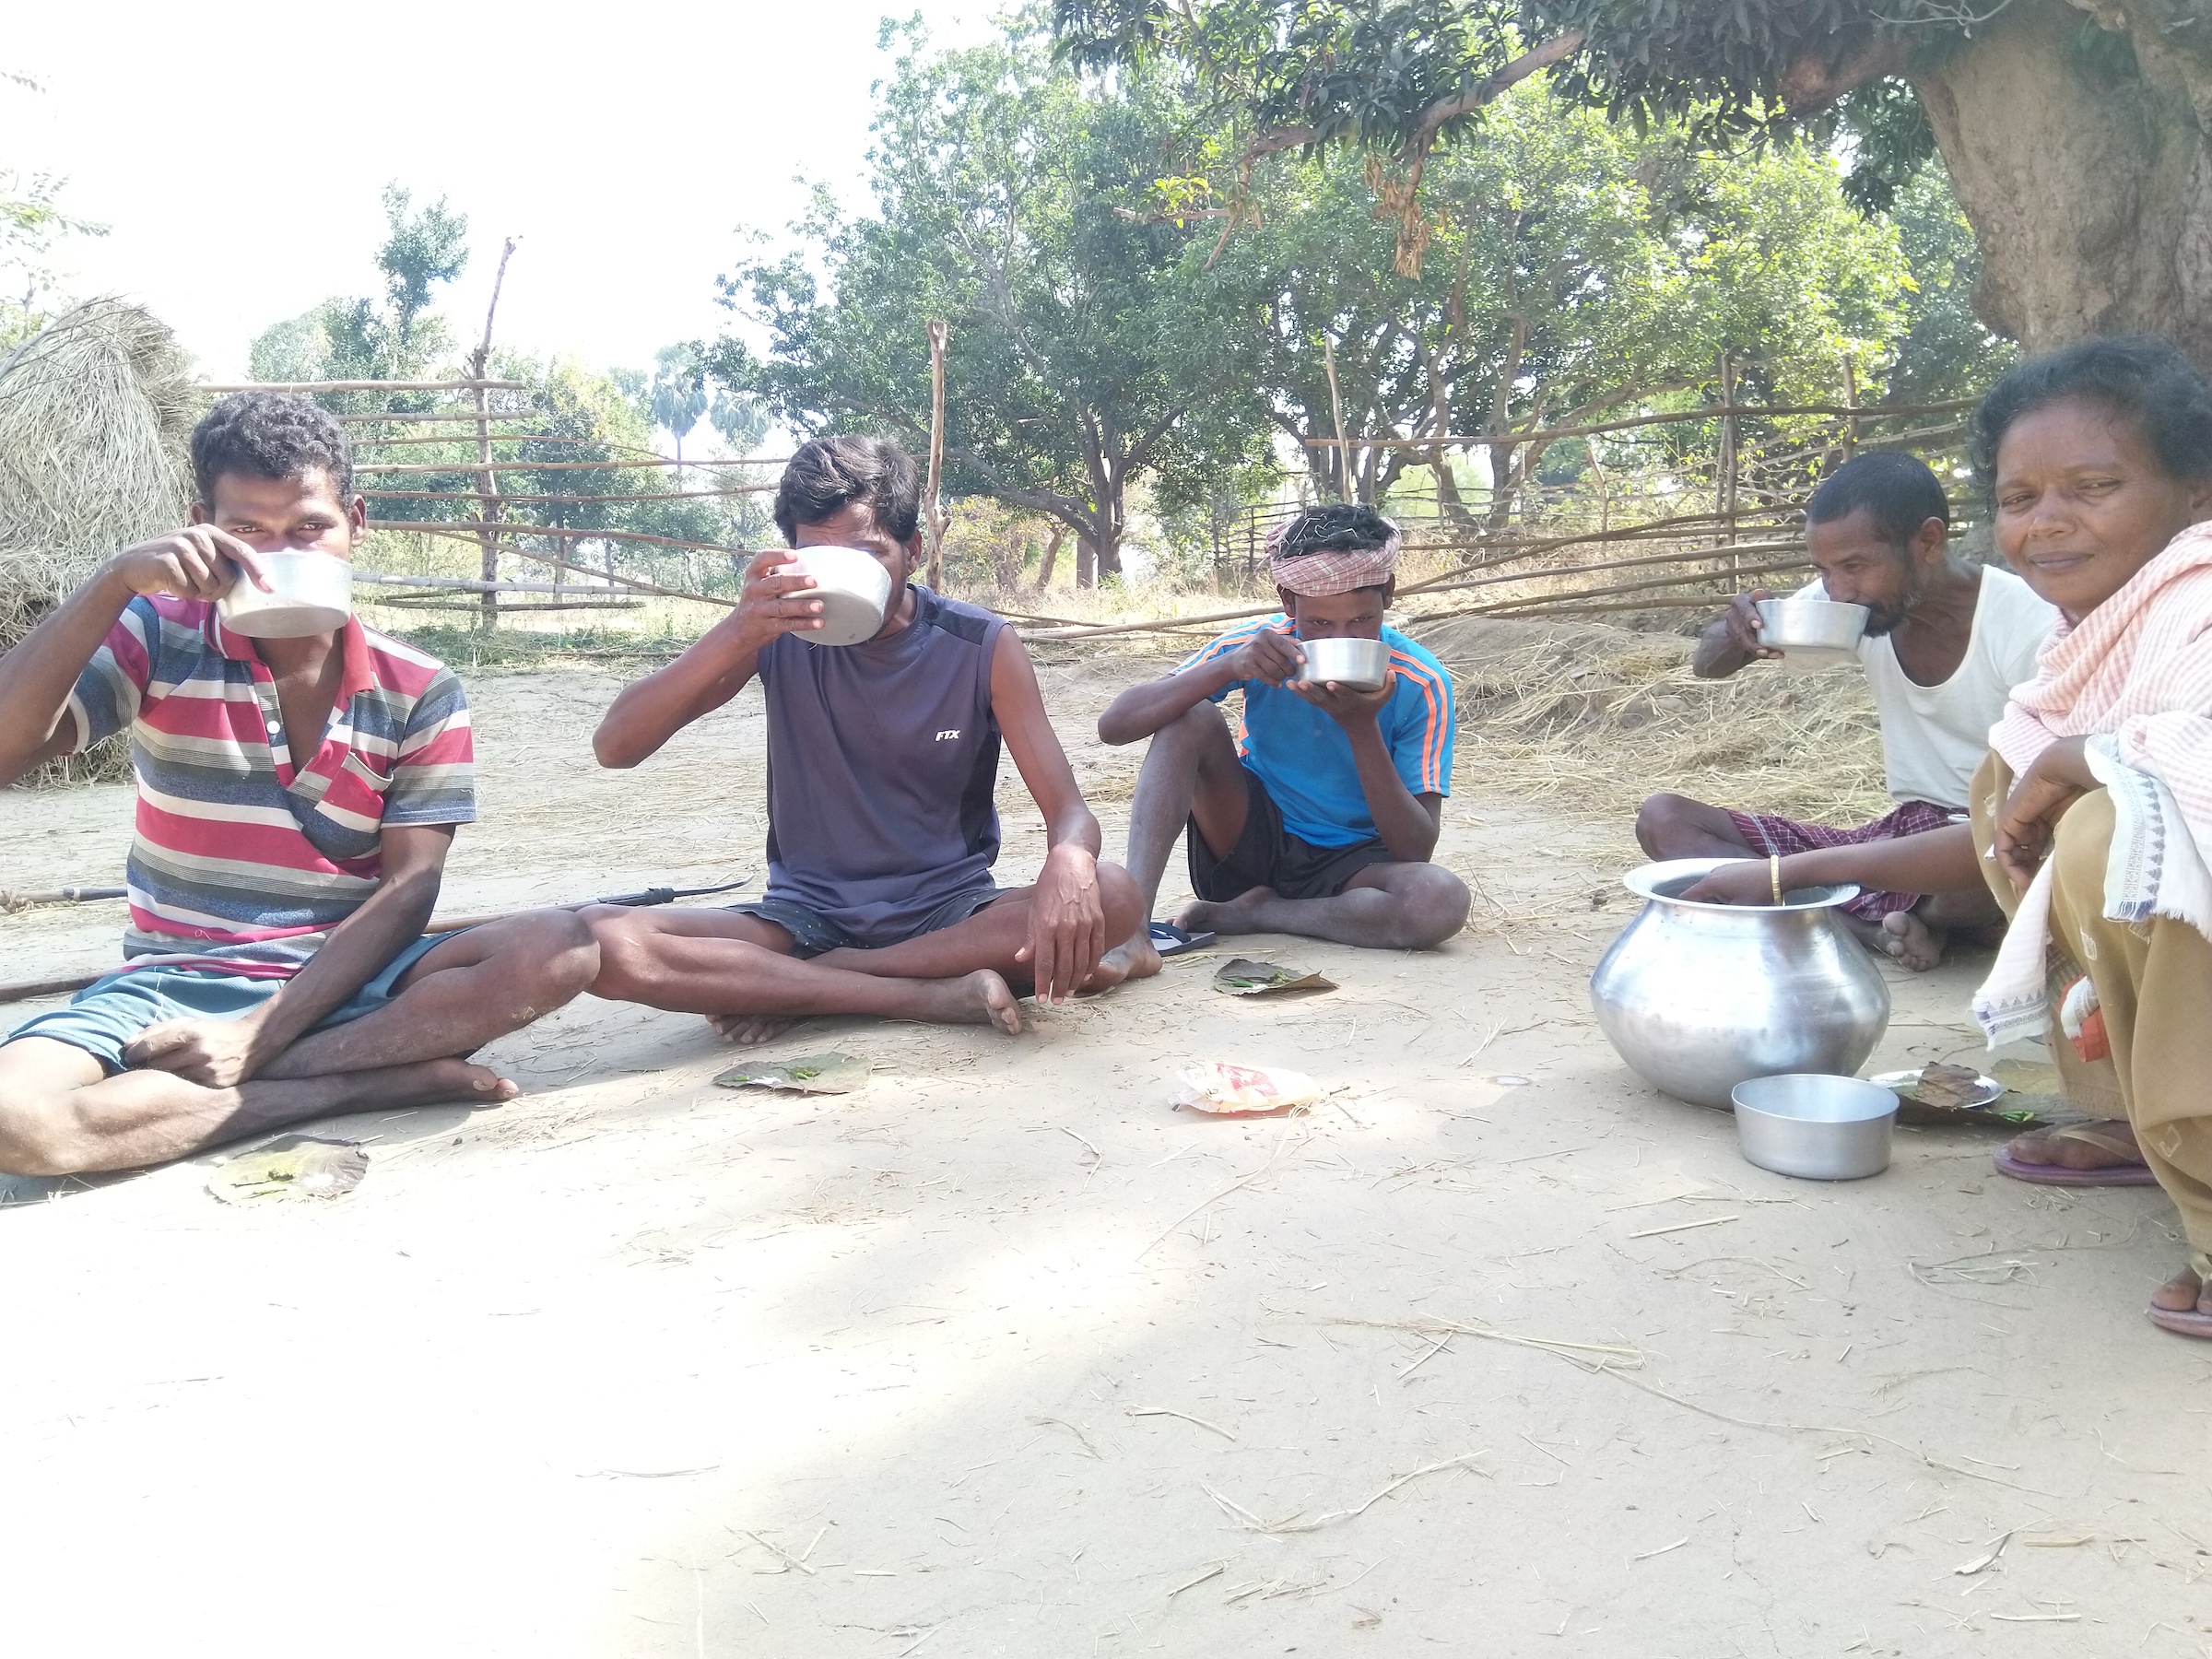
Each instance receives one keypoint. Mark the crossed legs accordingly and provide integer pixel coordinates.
(1191, 777)
(738, 969)
(60, 1115)
(1673, 825)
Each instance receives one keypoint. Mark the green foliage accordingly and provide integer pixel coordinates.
(31, 224)
(1398, 78)
(1946, 351)
(361, 339)
(1089, 346)
(676, 396)
(1572, 265)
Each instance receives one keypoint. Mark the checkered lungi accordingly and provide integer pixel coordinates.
(1765, 834)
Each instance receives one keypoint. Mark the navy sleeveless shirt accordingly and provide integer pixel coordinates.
(882, 764)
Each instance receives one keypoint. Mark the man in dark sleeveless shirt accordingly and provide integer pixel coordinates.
(882, 760)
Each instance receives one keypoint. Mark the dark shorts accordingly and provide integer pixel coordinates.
(812, 933)
(105, 1015)
(1765, 833)
(1268, 856)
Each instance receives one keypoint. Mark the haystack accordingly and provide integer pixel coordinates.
(94, 412)
(1599, 717)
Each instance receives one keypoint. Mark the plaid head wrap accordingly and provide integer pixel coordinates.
(1331, 570)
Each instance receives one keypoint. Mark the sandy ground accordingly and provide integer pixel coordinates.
(1498, 1352)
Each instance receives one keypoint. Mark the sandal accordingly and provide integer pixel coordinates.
(2132, 1173)
(1170, 940)
(2187, 1321)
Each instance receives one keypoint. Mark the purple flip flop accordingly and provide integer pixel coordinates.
(2112, 1175)
(2182, 1322)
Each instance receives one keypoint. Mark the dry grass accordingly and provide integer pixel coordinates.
(95, 410)
(1603, 716)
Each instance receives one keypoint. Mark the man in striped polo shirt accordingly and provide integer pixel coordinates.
(1321, 819)
(295, 801)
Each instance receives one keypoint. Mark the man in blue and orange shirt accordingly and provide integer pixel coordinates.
(1322, 821)
(295, 801)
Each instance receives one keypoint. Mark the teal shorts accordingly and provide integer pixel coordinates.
(105, 1015)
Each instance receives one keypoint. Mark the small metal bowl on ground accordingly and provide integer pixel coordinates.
(1811, 634)
(310, 593)
(1356, 664)
(855, 591)
(1819, 1128)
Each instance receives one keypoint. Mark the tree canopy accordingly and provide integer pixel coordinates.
(1090, 346)
(2071, 127)
(1572, 265)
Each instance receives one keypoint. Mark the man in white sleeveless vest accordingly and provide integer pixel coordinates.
(1945, 641)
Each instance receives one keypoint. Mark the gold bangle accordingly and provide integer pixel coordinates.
(1774, 874)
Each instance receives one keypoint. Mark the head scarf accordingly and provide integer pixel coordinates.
(1332, 569)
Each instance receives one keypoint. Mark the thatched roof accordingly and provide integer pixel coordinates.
(95, 411)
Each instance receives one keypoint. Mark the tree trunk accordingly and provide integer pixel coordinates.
(1050, 559)
(1086, 561)
(2089, 188)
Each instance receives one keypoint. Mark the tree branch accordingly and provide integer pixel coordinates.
(1819, 78)
(1536, 59)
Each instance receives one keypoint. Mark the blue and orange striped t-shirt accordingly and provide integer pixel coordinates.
(253, 841)
(1303, 757)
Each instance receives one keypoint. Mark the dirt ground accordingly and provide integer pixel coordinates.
(1497, 1352)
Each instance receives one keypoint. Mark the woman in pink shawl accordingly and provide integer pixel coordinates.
(2092, 816)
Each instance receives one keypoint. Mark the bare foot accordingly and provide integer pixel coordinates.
(2105, 1145)
(1235, 917)
(2185, 1292)
(429, 1081)
(979, 998)
(1912, 941)
(2183, 1304)
(1139, 959)
(747, 1030)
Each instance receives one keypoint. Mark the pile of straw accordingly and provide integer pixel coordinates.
(1601, 717)
(94, 412)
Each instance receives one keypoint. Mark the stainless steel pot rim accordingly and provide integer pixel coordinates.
(1645, 880)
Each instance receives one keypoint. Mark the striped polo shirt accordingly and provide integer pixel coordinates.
(245, 857)
(1305, 759)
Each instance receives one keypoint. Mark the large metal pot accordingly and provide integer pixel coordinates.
(1699, 997)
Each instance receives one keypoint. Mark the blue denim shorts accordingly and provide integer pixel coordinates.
(105, 1015)
(813, 933)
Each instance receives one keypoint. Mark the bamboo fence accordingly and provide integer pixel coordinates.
(1675, 552)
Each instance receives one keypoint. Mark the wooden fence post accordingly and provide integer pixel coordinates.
(1724, 496)
(488, 614)
(1851, 401)
(933, 499)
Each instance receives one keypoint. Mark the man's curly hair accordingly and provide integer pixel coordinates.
(269, 435)
(1337, 527)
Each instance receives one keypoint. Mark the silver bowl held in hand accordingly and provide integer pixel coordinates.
(1356, 664)
(1699, 997)
(1811, 633)
(310, 593)
(855, 591)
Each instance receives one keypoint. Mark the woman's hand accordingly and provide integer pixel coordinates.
(2059, 777)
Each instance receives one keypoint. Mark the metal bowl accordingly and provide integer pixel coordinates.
(1356, 664)
(855, 589)
(1821, 1128)
(310, 593)
(1811, 634)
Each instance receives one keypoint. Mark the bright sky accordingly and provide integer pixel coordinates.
(239, 150)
